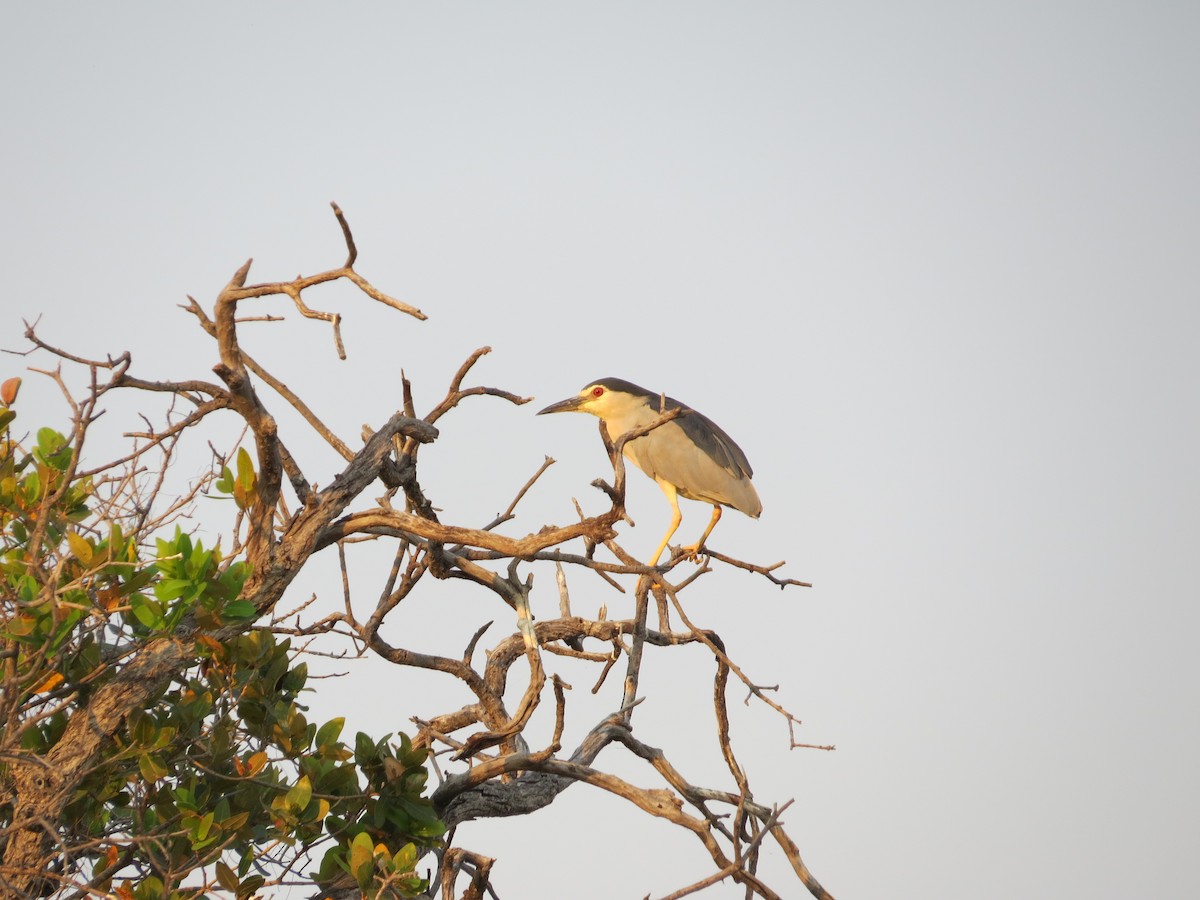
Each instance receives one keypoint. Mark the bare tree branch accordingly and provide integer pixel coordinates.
(277, 533)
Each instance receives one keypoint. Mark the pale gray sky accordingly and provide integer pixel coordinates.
(933, 265)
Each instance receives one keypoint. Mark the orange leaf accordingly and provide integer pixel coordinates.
(53, 680)
(8, 391)
(109, 597)
(207, 640)
(256, 763)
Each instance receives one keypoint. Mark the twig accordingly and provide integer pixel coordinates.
(765, 571)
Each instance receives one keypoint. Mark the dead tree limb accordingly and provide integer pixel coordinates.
(493, 771)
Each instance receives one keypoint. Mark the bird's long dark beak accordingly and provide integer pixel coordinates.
(571, 404)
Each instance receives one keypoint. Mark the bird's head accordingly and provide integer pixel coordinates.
(608, 398)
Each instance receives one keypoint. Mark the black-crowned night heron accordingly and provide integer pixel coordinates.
(690, 456)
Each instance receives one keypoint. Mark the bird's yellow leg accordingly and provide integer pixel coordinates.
(676, 518)
(693, 549)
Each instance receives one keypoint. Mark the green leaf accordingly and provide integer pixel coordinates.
(245, 488)
(250, 886)
(80, 546)
(204, 826)
(53, 449)
(238, 610)
(245, 467)
(364, 749)
(148, 612)
(116, 541)
(226, 877)
(298, 796)
(66, 629)
(151, 767)
(435, 827)
(362, 859)
(49, 440)
(31, 487)
(33, 739)
(185, 800)
(173, 588)
(405, 859)
(197, 565)
(27, 588)
(295, 678)
(328, 733)
(333, 863)
(143, 729)
(149, 888)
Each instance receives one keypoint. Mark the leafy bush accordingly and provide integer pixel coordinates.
(219, 783)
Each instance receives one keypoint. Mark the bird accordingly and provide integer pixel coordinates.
(690, 456)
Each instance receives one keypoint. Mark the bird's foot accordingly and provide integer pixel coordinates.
(691, 552)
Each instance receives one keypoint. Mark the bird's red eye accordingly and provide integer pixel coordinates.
(597, 392)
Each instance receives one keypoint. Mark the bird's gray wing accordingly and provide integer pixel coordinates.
(712, 439)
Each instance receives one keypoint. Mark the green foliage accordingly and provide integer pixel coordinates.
(221, 779)
(192, 580)
(243, 486)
